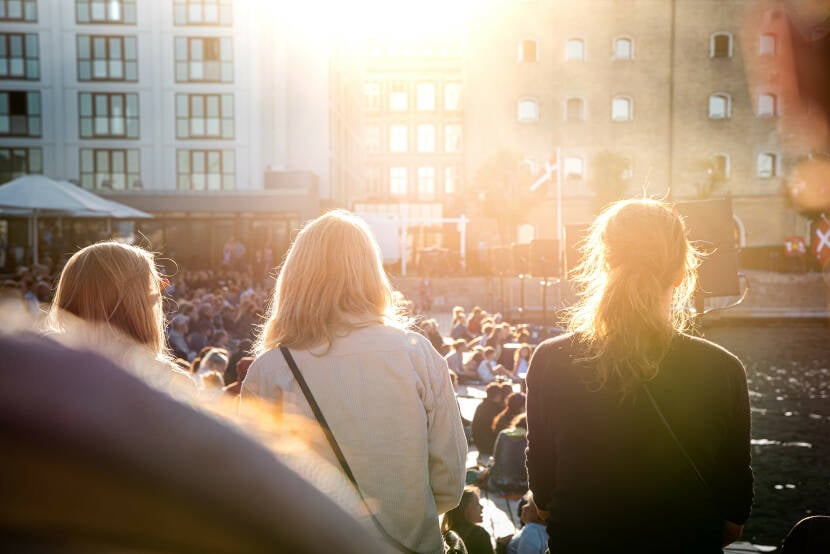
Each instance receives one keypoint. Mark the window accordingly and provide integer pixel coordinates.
(397, 181)
(767, 165)
(204, 116)
(373, 138)
(452, 138)
(372, 96)
(108, 168)
(19, 113)
(720, 106)
(528, 51)
(426, 138)
(573, 168)
(105, 11)
(206, 170)
(19, 57)
(374, 181)
(574, 109)
(575, 49)
(767, 105)
(720, 45)
(768, 45)
(202, 12)
(452, 180)
(18, 10)
(628, 170)
(108, 115)
(426, 182)
(207, 60)
(105, 58)
(397, 138)
(452, 97)
(622, 109)
(426, 97)
(397, 97)
(721, 168)
(528, 110)
(623, 48)
(17, 162)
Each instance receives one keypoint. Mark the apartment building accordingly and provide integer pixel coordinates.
(213, 115)
(661, 84)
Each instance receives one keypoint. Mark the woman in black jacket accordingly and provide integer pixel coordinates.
(638, 434)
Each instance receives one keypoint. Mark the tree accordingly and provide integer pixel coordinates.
(609, 181)
(713, 172)
(501, 187)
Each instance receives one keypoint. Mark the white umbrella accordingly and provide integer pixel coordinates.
(37, 194)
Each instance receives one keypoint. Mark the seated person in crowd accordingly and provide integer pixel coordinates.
(464, 520)
(483, 435)
(532, 538)
(459, 325)
(488, 369)
(508, 473)
(455, 358)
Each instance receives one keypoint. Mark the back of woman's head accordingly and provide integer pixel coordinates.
(456, 517)
(113, 284)
(635, 252)
(332, 281)
(516, 403)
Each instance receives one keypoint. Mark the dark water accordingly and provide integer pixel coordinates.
(788, 369)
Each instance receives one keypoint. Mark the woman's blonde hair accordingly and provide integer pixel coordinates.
(332, 281)
(115, 285)
(635, 252)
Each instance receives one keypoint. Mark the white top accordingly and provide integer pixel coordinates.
(530, 539)
(388, 398)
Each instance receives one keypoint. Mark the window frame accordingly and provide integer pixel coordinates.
(94, 116)
(185, 5)
(775, 169)
(393, 178)
(378, 96)
(713, 43)
(6, 39)
(27, 152)
(460, 104)
(775, 45)
(122, 21)
(398, 88)
(29, 117)
(190, 153)
(432, 142)
(774, 102)
(374, 147)
(573, 176)
(460, 148)
(614, 48)
(396, 137)
(126, 63)
(205, 98)
(24, 16)
(728, 112)
(188, 61)
(418, 106)
(630, 110)
(432, 179)
(130, 177)
(526, 100)
(581, 116)
(520, 55)
(583, 42)
(727, 166)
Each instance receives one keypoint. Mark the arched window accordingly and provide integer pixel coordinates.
(573, 167)
(767, 165)
(720, 106)
(574, 109)
(767, 105)
(528, 110)
(623, 48)
(622, 108)
(528, 51)
(768, 45)
(720, 45)
(575, 49)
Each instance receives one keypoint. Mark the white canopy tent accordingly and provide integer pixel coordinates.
(36, 195)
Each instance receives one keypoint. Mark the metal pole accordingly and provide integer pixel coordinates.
(34, 237)
(405, 240)
(522, 295)
(558, 208)
(463, 224)
(545, 303)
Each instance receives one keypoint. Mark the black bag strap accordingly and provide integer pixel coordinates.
(318, 414)
(676, 440)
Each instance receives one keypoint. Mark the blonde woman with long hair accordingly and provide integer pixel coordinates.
(638, 434)
(383, 390)
(110, 295)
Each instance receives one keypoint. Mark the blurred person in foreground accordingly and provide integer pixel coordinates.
(638, 434)
(383, 389)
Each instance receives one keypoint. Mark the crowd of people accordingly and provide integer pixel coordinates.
(338, 346)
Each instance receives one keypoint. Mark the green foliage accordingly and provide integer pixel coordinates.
(501, 189)
(608, 182)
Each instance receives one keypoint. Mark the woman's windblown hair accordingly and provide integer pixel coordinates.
(332, 281)
(635, 252)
